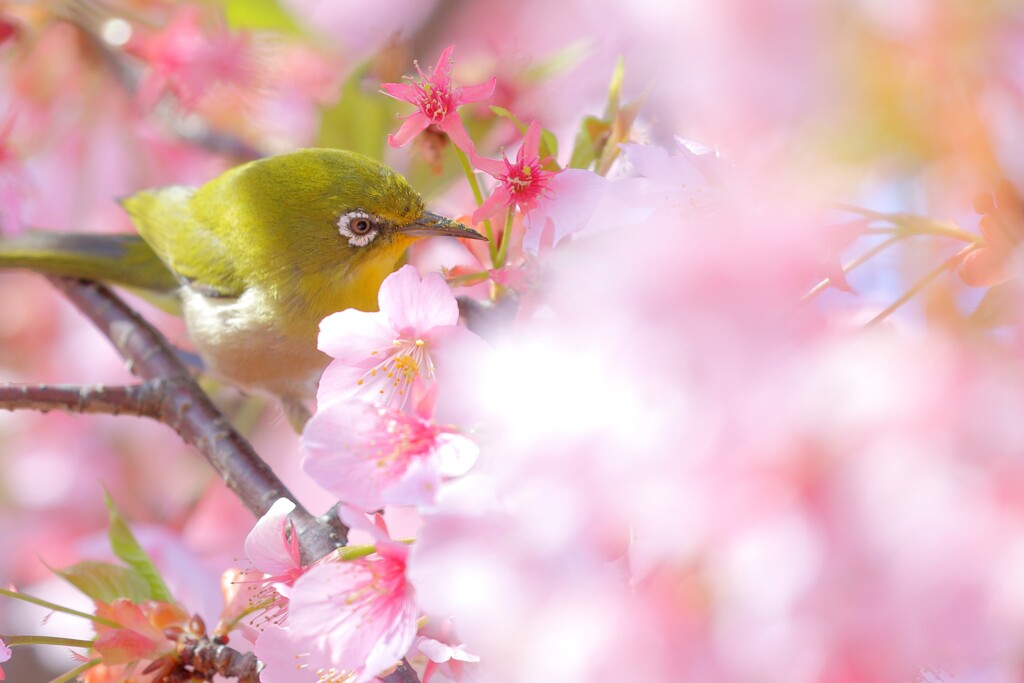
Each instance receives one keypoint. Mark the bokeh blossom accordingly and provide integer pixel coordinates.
(1002, 226)
(437, 100)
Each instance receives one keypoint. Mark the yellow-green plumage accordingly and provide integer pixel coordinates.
(258, 257)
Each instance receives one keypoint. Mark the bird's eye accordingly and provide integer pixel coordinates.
(358, 226)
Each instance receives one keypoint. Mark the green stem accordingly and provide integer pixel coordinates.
(76, 672)
(354, 552)
(46, 640)
(478, 195)
(922, 283)
(58, 608)
(912, 223)
(506, 237)
(460, 280)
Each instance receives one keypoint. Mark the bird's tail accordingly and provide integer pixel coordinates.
(119, 259)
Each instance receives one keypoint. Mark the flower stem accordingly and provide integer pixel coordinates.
(918, 225)
(478, 195)
(506, 237)
(46, 640)
(58, 608)
(922, 283)
(76, 672)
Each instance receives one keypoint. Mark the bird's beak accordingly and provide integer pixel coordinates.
(431, 223)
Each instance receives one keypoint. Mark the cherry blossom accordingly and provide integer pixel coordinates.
(382, 356)
(370, 457)
(358, 614)
(562, 200)
(437, 100)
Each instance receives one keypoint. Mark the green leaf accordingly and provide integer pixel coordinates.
(589, 142)
(615, 90)
(127, 548)
(106, 582)
(361, 119)
(259, 15)
(566, 59)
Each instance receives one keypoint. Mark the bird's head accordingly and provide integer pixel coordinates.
(326, 217)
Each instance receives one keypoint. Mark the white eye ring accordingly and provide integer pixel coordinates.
(361, 236)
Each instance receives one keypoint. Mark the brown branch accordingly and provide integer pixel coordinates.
(186, 409)
(142, 400)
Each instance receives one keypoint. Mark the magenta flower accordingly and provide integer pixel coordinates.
(562, 200)
(382, 356)
(436, 99)
(370, 457)
(359, 615)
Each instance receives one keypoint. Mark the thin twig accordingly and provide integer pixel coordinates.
(918, 286)
(187, 410)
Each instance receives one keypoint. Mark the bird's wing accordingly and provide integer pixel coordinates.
(121, 259)
(189, 247)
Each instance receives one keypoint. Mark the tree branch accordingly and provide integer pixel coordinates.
(186, 409)
(142, 400)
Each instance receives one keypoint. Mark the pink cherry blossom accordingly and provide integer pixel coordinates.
(189, 59)
(437, 99)
(370, 457)
(273, 546)
(5, 655)
(560, 200)
(360, 614)
(382, 356)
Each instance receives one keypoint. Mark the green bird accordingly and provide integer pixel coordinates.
(257, 257)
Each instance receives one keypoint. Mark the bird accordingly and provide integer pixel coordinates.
(255, 258)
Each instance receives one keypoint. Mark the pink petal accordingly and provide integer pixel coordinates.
(456, 131)
(499, 198)
(476, 93)
(334, 453)
(418, 485)
(413, 125)
(443, 62)
(413, 305)
(496, 168)
(407, 92)
(531, 143)
(575, 194)
(339, 382)
(455, 454)
(352, 336)
(265, 546)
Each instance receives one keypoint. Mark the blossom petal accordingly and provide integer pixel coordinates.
(455, 454)
(530, 148)
(575, 194)
(352, 336)
(456, 131)
(495, 168)
(334, 449)
(499, 198)
(407, 92)
(265, 545)
(413, 125)
(476, 93)
(443, 62)
(414, 305)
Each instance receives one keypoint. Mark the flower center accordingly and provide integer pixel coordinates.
(393, 376)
